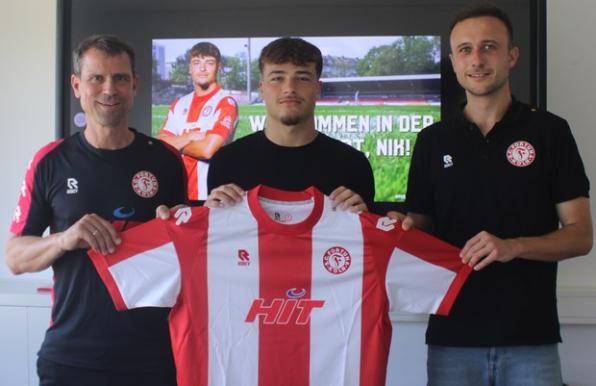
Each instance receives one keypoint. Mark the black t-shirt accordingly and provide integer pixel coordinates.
(507, 183)
(70, 178)
(325, 163)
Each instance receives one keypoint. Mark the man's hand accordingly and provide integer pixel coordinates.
(407, 222)
(346, 199)
(91, 231)
(485, 248)
(224, 196)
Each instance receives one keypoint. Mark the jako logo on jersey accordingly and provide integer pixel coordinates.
(72, 186)
(243, 257)
(207, 110)
(282, 311)
(123, 213)
(337, 260)
(447, 161)
(145, 184)
(521, 154)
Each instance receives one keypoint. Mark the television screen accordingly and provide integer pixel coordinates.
(378, 92)
(376, 108)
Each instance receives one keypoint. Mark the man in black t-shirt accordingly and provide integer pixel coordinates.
(497, 180)
(86, 188)
(290, 154)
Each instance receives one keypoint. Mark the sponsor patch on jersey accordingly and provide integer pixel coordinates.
(145, 184)
(124, 212)
(295, 293)
(521, 154)
(337, 260)
(207, 110)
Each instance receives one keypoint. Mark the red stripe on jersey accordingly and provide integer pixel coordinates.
(376, 325)
(189, 319)
(190, 165)
(24, 203)
(435, 251)
(454, 289)
(102, 267)
(284, 329)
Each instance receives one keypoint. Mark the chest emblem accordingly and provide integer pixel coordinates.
(521, 154)
(145, 184)
(337, 260)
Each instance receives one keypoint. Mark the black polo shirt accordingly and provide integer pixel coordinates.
(507, 183)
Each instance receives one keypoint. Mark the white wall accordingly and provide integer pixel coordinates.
(571, 86)
(27, 97)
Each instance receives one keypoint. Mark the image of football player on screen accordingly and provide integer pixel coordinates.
(199, 123)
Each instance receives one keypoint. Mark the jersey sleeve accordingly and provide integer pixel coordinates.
(144, 270)
(33, 212)
(166, 128)
(227, 119)
(569, 176)
(424, 274)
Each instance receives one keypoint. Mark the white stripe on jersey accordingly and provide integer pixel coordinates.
(335, 333)
(233, 343)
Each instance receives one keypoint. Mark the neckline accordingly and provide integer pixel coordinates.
(268, 224)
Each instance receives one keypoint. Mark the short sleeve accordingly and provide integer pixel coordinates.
(570, 180)
(424, 274)
(144, 271)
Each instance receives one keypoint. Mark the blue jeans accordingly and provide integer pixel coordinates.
(494, 366)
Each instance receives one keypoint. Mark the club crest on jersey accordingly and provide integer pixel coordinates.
(282, 311)
(145, 184)
(337, 260)
(521, 154)
(207, 110)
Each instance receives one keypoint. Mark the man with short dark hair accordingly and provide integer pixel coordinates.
(199, 123)
(290, 153)
(87, 188)
(505, 182)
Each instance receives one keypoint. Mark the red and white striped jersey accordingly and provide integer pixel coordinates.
(214, 113)
(281, 289)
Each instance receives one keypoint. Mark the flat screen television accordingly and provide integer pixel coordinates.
(374, 106)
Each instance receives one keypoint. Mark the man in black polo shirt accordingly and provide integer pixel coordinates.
(87, 188)
(497, 180)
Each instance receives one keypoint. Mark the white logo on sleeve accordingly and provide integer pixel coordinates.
(17, 214)
(72, 186)
(182, 215)
(24, 189)
(386, 224)
(447, 161)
